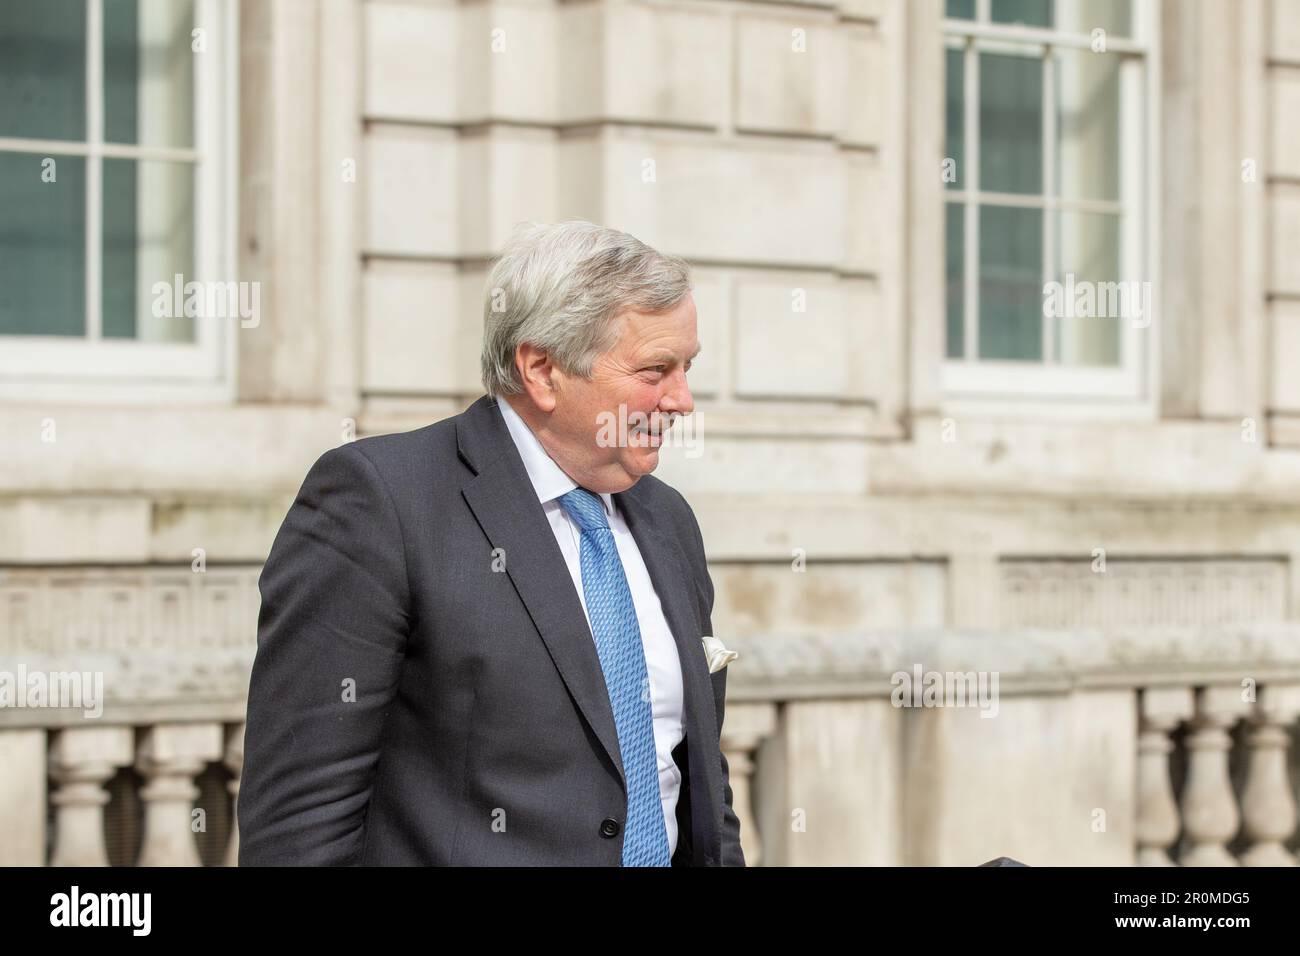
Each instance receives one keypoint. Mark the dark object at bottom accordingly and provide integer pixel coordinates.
(1004, 861)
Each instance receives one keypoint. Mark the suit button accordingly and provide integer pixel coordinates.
(609, 827)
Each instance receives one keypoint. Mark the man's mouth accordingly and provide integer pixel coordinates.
(651, 436)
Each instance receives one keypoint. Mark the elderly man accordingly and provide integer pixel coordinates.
(480, 642)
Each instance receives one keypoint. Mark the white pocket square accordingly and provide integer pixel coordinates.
(716, 654)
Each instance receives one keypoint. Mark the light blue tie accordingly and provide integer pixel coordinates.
(622, 658)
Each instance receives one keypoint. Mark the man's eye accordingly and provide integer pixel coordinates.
(657, 368)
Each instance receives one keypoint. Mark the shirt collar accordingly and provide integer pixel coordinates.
(548, 478)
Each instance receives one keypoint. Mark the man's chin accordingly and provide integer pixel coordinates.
(642, 461)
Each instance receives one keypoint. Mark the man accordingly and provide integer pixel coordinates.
(480, 641)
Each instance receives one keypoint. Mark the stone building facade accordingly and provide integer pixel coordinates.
(873, 496)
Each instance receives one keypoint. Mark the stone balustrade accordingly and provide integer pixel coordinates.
(1149, 747)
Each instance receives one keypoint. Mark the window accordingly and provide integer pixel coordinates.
(115, 176)
(1047, 260)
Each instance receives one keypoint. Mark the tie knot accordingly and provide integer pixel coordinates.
(586, 508)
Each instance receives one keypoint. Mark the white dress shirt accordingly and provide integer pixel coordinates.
(662, 662)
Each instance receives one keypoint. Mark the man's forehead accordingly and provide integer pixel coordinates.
(648, 336)
(659, 350)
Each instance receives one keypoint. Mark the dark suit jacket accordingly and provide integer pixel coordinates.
(478, 729)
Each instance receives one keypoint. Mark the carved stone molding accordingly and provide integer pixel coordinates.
(1070, 594)
(71, 610)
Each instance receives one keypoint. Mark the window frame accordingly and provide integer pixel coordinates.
(90, 368)
(1131, 382)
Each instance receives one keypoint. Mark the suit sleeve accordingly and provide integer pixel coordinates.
(331, 638)
(732, 854)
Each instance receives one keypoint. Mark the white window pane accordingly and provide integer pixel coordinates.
(149, 72)
(955, 114)
(1011, 123)
(954, 251)
(43, 69)
(1084, 16)
(1087, 125)
(1087, 267)
(959, 9)
(42, 245)
(1011, 283)
(1030, 13)
(148, 238)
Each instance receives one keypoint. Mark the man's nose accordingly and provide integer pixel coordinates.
(677, 399)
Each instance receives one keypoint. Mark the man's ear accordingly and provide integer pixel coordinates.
(536, 371)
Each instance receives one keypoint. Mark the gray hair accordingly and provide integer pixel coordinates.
(558, 287)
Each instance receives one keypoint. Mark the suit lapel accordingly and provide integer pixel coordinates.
(506, 507)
